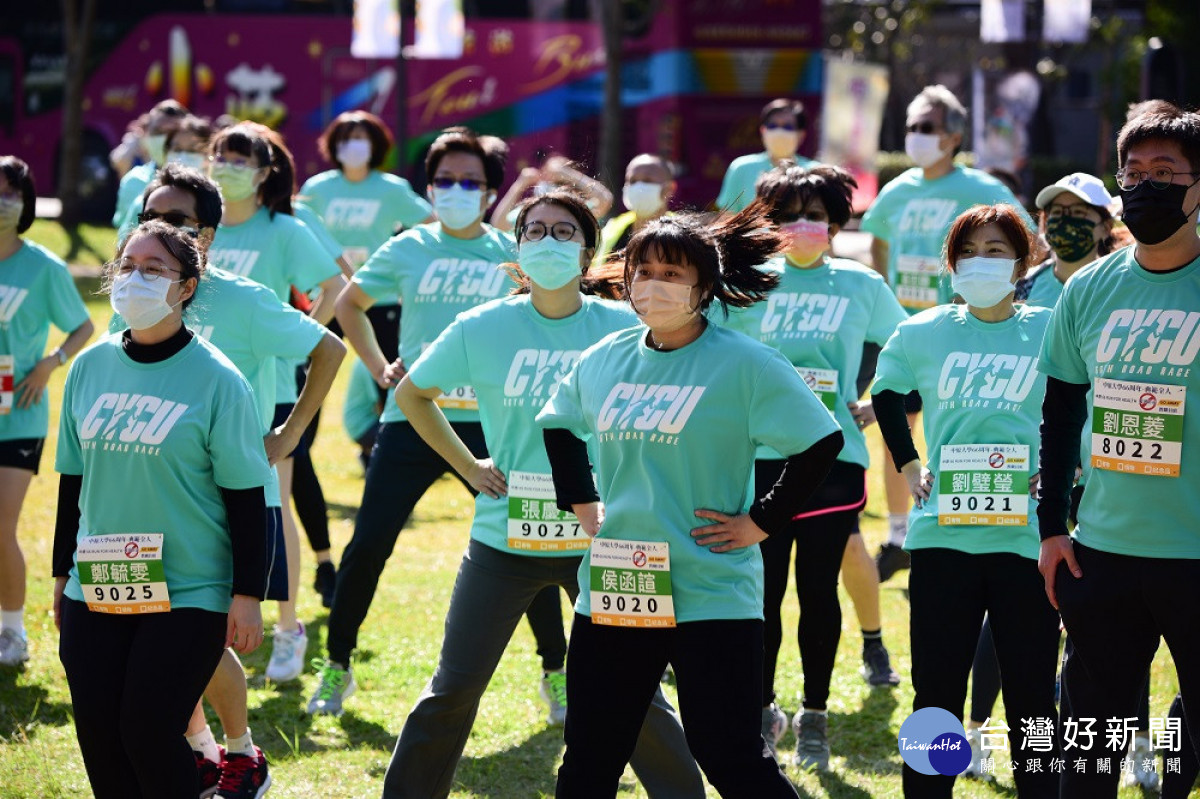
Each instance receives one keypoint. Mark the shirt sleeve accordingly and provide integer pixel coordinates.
(235, 442)
(309, 217)
(1060, 356)
(378, 277)
(444, 363)
(893, 372)
(876, 218)
(785, 414)
(280, 331)
(410, 207)
(67, 310)
(565, 407)
(309, 263)
(886, 314)
(68, 458)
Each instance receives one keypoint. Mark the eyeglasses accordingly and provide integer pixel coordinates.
(779, 126)
(172, 218)
(152, 271)
(923, 127)
(1080, 211)
(1160, 177)
(559, 231)
(469, 184)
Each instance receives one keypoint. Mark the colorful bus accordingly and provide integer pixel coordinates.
(694, 73)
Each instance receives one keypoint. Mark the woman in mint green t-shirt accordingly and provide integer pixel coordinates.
(512, 352)
(674, 411)
(36, 291)
(161, 529)
(973, 532)
(819, 317)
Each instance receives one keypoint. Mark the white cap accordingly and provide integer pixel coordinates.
(1088, 188)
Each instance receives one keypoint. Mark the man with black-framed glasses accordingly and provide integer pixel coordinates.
(909, 221)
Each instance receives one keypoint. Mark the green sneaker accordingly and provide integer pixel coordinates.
(554, 692)
(337, 683)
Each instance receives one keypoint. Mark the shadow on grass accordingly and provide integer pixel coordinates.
(526, 769)
(339, 511)
(24, 708)
(79, 244)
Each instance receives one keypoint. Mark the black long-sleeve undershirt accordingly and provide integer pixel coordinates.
(893, 426)
(1064, 412)
(802, 474)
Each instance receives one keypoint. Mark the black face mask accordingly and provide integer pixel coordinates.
(1153, 215)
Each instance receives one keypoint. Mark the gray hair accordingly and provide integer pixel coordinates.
(938, 96)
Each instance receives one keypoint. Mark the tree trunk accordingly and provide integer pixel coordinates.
(612, 165)
(78, 16)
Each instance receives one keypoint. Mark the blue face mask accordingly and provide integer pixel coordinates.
(550, 263)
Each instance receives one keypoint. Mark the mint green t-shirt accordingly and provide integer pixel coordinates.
(436, 277)
(254, 330)
(133, 183)
(360, 410)
(309, 217)
(36, 291)
(913, 215)
(737, 187)
(278, 252)
(363, 215)
(1044, 288)
(1119, 322)
(676, 431)
(980, 384)
(819, 318)
(514, 358)
(155, 443)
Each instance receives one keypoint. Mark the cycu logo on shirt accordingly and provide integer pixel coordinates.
(129, 422)
(635, 410)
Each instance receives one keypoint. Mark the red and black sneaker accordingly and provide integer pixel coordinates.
(208, 773)
(244, 776)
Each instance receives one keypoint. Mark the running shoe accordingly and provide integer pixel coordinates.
(877, 665)
(554, 693)
(975, 767)
(208, 773)
(14, 648)
(337, 684)
(287, 655)
(891, 559)
(244, 776)
(1144, 773)
(812, 743)
(324, 582)
(774, 725)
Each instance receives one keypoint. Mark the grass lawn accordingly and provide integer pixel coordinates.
(511, 752)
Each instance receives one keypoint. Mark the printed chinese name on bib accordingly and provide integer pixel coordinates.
(123, 573)
(461, 398)
(6, 384)
(983, 484)
(534, 520)
(823, 382)
(917, 281)
(1137, 427)
(631, 583)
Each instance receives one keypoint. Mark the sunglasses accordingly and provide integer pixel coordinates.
(779, 126)
(923, 127)
(469, 184)
(172, 218)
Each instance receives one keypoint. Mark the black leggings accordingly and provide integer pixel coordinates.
(402, 469)
(134, 682)
(307, 494)
(820, 542)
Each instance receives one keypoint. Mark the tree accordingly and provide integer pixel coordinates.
(78, 18)
(612, 166)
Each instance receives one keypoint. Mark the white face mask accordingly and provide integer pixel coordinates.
(156, 147)
(189, 160)
(983, 282)
(923, 148)
(354, 153)
(662, 306)
(141, 303)
(643, 198)
(458, 208)
(781, 143)
(10, 212)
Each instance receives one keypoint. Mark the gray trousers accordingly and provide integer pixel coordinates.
(491, 593)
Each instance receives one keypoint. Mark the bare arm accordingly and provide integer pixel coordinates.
(524, 182)
(351, 310)
(326, 358)
(879, 256)
(323, 307)
(32, 387)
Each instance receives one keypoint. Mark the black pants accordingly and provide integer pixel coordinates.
(820, 542)
(949, 592)
(1115, 614)
(614, 672)
(307, 493)
(134, 682)
(402, 469)
(1177, 785)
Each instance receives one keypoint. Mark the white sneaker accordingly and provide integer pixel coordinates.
(774, 725)
(975, 767)
(1142, 756)
(287, 655)
(554, 693)
(14, 649)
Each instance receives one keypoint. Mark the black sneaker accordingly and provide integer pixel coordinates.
(891, 559)
(877, 666)
(324, 582)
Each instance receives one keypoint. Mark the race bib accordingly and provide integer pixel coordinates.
(631, 583)
(6, 384)
(356, 256)
(917, 281)
(534, 520)
(123, 573)
(823, 382)
(983, 484)
(1137, 427)
(461, 398)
